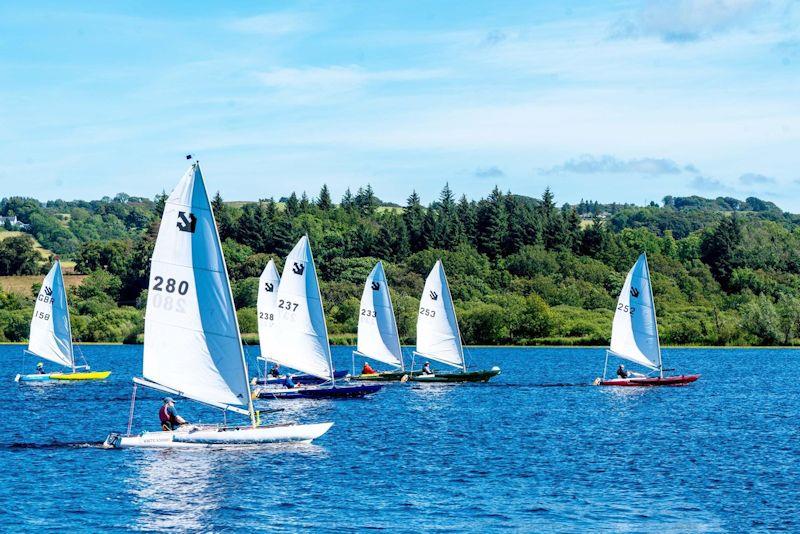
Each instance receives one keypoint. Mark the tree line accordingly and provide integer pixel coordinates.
(523, 270)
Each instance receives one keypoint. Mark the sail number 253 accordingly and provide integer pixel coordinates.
(427, 312)
(625, 308)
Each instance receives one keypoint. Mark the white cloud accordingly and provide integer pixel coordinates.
(751, 178)
(271, 24)
(688, 20)
(589, 164)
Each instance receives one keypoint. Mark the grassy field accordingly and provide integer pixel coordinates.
(43, 252)
(22, 284)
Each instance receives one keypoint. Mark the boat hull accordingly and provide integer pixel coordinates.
(472, 376)
(347, 391)
(299, 378)
(194, 436)
(385, 376)
(678, 380)
(89, 375)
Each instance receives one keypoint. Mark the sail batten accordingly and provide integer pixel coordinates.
(634, 333)
(301, 334)
(50, 333)
(191, 341)
(377, 328)
(438, 336)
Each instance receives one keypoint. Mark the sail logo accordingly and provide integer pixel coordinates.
(48, 291)
(298, 268)
(268, 286)
(634, 292)
(434, 295)
(375, 286)
(186, 223)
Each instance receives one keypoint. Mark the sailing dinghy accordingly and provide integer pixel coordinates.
(51, 333)
(300, 338)
(267, 308)
(634, 333)
(378, 338)
(192, 346)
(438, 336)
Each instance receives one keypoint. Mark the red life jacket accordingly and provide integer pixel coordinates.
(164, 414)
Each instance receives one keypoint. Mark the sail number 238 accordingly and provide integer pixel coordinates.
(625, 308)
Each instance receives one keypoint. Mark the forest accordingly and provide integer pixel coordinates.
(523, 270)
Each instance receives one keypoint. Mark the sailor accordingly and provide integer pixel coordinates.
(170, 420)
(368, 370)
(426, 369)
(289, 383)
(40, 368)
(275, 372)
(621, 372)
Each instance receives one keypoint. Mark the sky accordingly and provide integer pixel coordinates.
(608, 101)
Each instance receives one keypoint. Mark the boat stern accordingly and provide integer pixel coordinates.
(112, 441)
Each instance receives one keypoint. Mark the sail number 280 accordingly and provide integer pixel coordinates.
(625, 308)
(171, 285)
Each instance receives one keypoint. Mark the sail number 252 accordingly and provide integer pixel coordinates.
(625, 308)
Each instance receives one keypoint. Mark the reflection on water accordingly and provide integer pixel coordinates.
(173, 489)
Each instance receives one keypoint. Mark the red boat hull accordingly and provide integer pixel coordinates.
(678, 380)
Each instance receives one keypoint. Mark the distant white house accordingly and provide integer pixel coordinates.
(13, 221)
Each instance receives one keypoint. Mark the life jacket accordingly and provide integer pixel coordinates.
(164, 414)
(368, 370)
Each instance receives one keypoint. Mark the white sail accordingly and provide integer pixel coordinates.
(438, 337)
(634, 334)
(51, 334)
(377, 328)
(301, 335)
(267, 307)
(191, 337)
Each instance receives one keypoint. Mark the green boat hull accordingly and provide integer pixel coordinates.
(417, 376)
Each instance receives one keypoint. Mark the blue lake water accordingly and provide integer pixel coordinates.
(535, 449)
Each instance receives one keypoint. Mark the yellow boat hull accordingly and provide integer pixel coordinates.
(90, 375)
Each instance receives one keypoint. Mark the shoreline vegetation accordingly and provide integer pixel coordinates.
(523, 271)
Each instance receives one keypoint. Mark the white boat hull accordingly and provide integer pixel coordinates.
(193, 436)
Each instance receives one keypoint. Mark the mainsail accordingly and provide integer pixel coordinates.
(438, 337)
(51, 335)
(267, 307)
(377, 328)
(634, 334)
(191, 337)
(301, 335)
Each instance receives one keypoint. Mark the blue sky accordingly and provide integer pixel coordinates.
(625, 101)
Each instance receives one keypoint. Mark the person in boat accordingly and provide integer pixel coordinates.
(170, 420)
(275, 372)
(291, 384)
(622, 373)
(40, 369)
(368, 370)
(426, 369)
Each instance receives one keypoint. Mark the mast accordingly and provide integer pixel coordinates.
(235, 317)
(324, 320)
(655, 319)
(69, 322)
(458, 328)
(394, 319)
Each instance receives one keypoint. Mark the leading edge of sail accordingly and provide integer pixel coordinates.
(191, 340)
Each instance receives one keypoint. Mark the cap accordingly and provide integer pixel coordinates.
(168, 399)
